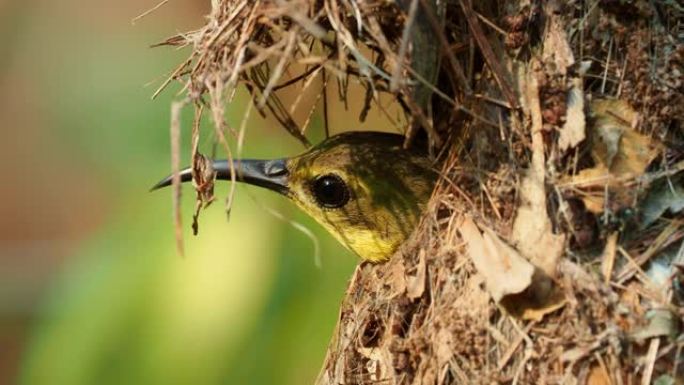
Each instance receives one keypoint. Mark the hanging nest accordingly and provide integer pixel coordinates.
(552, 248)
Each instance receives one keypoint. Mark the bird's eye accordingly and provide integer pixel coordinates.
(330, 191)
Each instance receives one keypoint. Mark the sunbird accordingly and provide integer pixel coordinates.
(363, 187)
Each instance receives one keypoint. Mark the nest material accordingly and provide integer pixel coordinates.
(552, 249)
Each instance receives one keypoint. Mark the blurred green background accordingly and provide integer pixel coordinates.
(92, 290)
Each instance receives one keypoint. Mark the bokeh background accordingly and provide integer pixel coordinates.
(92, 290)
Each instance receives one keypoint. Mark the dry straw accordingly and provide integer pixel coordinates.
(552, 249)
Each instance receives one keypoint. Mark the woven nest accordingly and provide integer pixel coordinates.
(552, 248)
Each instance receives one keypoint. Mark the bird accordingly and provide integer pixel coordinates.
(363, 187)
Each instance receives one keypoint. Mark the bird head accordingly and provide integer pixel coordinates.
(363, 187)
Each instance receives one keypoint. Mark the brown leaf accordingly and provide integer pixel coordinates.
(556, 47)
(598, 376)
(540, 302)
(504, 270)
(661, 323)
(620, 154)
(594, 198)
(573, 132)
(532, 231)
(666, 195)
(615, 142)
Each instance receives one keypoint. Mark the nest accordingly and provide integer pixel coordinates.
(552, 248)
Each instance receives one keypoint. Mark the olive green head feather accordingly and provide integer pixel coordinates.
(363, 187)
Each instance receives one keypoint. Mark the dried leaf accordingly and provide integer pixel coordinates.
(661, 323)
(556, 47)
(620, 154)
(510, 279)
(573, 132)
(534, 308)
(616, 144)
(667, 195)
(598, 376)
(504, 270)
(606, 143)
(532, 230)
(594, 199)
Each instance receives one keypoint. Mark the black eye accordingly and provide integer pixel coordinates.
(330, 191)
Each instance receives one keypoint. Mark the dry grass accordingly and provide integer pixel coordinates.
(581, 197)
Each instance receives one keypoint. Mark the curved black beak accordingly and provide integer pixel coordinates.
(270, 174)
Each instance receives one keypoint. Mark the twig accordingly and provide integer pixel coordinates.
(605, 70)
(489, 56)
(325, 103)
(299, 77)
(176, 109)
(156, 7)
(405, 39)
(650, 359)
(491, 24)
(173, 76)
(658, 243)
